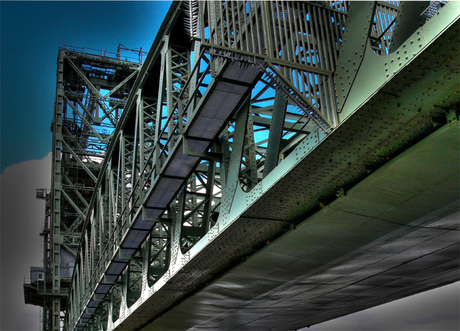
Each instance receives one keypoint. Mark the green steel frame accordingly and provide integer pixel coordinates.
(290, 91)
(91, 93)
(214, 112)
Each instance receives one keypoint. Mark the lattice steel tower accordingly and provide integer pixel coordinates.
(91, 92)
(244, 166)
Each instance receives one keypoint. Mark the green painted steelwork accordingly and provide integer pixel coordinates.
(238, 130)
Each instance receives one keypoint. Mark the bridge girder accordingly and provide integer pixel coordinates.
(237, 134)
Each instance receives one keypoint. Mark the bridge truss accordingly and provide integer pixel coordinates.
(224, 142)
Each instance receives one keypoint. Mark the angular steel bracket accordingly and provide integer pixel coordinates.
(207, 156)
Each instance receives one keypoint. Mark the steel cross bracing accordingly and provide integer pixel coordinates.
(166, 143)
(91, 93)
(211, 114)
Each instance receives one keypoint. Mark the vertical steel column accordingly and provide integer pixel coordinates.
(46, 310)
(248, 171)
(55, 235)
(266, 31)
(233, 167)
(196, 62)
(137, 152)
(355, 41)
(145, 264)
(276, 132)
(169, 94)
(210, 193)
(141, 141)
(161, 88)
(407, 21)
(176, 226)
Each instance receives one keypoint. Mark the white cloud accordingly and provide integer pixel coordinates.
(21, 222)
(436, 309)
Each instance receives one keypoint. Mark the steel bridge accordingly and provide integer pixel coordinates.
(271, 165)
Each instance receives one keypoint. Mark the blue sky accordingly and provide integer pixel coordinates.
(31, 33)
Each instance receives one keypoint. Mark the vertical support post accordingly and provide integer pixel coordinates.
(124, 294)
(142, 152)
(110, 311)
(276, 132)
(209, 193)
(55, 235)
(249, 155)
(355, 41)
(146, 265)
(122, 175)
(176, 227)
(267, 27)
(229, 189)
(157, 159)
(194, 79)
(137, 163)
(169, 94)
(408, 21)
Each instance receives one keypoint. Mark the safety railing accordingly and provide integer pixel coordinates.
(103, 54)
(299, 40)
